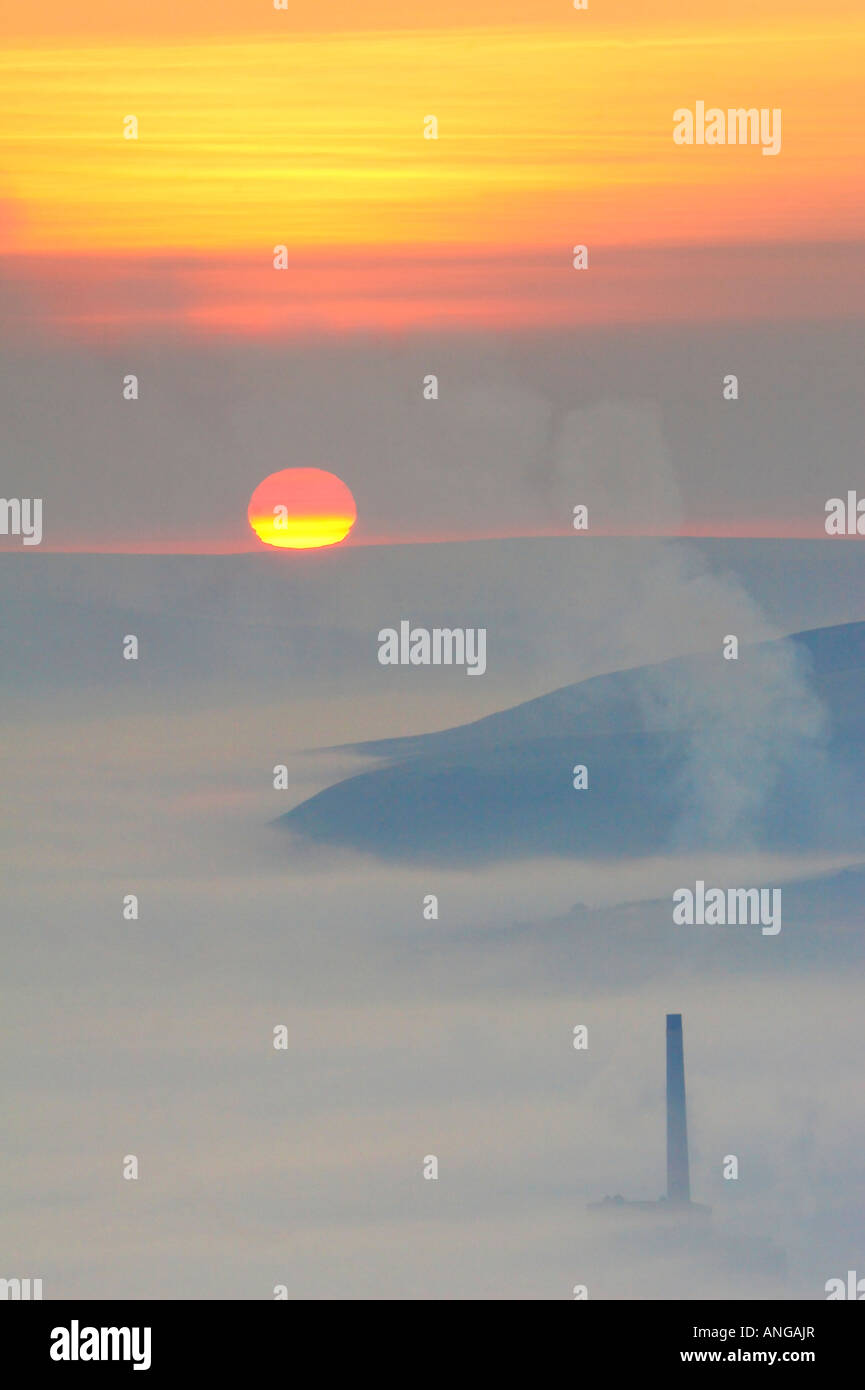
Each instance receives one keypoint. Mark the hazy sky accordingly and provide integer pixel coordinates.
(631, 423)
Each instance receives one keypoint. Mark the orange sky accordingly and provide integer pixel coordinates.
(550, 134)
(168, 18)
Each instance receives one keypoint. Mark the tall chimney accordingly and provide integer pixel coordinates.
(678, 1182)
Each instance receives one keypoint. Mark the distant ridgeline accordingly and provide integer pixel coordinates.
(765, 751)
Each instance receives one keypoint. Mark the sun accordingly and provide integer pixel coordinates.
(302, 508)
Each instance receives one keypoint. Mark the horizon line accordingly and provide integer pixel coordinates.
(756, 533)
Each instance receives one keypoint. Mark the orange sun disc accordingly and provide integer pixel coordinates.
(300, 508)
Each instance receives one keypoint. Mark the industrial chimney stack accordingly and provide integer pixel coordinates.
(678, 1181)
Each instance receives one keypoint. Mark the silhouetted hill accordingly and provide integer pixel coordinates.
(764, 752)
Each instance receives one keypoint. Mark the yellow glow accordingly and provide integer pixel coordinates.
(546, 137)
(302, 532)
